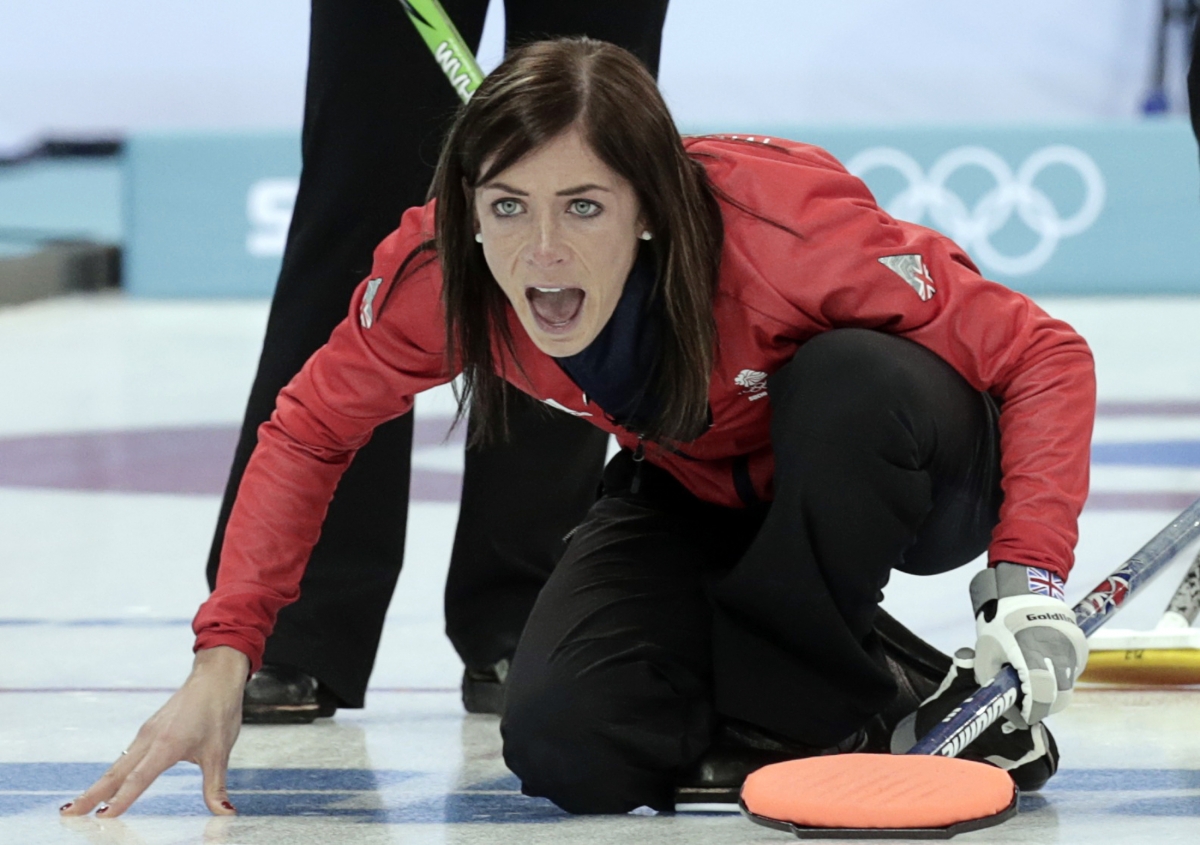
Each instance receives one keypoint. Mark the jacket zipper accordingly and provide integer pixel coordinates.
(639, 457)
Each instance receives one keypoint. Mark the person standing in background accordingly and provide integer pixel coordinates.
(376, 106)
(1193, 83)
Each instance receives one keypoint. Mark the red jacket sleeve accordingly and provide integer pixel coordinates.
(854, 265)
(391, 347)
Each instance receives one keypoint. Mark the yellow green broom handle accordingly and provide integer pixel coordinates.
(447, 46)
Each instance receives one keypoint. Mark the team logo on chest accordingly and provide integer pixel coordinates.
(753, 384)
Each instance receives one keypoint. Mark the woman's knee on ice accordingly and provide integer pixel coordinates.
(592, 743)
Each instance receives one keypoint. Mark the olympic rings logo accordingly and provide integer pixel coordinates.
(973, 228)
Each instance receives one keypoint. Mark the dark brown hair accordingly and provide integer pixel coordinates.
(539, 91)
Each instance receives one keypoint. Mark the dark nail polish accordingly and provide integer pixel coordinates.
(228, 806)
(66, 806)
(102, 810)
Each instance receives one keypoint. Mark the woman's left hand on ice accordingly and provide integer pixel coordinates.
(1022, 621)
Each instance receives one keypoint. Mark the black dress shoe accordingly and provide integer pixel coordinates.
(739, 749)
(283, 695)
(483, 689)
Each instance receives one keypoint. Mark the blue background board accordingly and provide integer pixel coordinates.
(206, 214)
(67, 199)
(1145, 239)
(187, 217)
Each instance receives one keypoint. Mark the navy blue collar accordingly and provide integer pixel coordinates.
(617, 370)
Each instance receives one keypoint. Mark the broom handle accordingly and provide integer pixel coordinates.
(1186, 601)
(447, 46)
(964, 724)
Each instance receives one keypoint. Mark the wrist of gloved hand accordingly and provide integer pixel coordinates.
(1021, 620)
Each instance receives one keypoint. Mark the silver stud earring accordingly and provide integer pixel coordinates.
(646, 235)
(479, 237)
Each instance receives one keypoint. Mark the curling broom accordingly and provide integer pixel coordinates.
(448, 48)
(1167, 655)
(929, 793)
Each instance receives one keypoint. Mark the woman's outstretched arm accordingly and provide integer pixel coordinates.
(198, 724)
(368, 372)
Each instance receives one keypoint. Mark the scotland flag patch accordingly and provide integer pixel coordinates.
(1043, 583)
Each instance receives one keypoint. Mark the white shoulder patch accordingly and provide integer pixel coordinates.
(912, 269)
(366, 317)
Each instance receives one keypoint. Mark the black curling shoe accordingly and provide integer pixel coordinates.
(283, 695)
(737, 750)
(483, 689)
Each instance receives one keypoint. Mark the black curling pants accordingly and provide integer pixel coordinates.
(376, 106)
(668, 613)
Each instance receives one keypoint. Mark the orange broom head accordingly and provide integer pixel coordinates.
(876, 795)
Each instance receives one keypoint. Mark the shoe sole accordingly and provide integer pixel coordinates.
(695, 799)
(280, 714)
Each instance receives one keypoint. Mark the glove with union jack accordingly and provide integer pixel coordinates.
(1021, 620)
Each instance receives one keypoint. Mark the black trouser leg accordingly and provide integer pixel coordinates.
(517, 507)
(375, 108)
(635, 25)
(885, 458)
(610, 691)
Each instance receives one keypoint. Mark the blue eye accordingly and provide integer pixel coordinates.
(506, 208)
(584, 208)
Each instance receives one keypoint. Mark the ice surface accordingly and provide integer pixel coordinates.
(100, 586)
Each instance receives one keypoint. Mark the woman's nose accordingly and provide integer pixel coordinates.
(547, 247)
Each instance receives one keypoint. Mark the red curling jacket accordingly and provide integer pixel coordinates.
(853, 266)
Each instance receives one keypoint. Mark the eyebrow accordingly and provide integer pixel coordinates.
(569, 192)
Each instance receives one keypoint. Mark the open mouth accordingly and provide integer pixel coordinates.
(556, 310)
